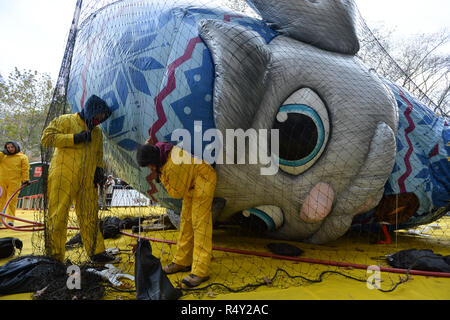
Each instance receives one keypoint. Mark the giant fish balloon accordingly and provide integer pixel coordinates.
(305, 140)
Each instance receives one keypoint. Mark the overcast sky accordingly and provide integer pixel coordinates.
(33, 33)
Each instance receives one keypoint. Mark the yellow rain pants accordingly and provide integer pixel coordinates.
(14, 169)
(195, 184)
(71, 180)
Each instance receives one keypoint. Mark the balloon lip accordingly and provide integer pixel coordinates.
(264, 217)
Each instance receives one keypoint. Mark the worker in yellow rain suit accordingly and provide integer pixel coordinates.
(75, 171)
(14, 170)
(195, 183)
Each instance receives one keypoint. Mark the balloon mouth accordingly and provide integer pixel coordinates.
(269, 218)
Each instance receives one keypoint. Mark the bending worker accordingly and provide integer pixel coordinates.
(195, 184)
(14, 169)
(75, 171)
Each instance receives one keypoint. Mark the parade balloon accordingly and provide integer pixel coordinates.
(302, 135)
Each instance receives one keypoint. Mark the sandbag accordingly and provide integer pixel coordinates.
(128, 223)
(110, 228)
(151, 281)
(425, 260)
(8, 247)
(284, 249)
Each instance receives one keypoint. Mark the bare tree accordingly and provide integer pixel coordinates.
(416, 63)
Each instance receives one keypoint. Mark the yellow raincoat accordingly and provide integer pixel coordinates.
(14, 169)
(195, 184)
(71, 176)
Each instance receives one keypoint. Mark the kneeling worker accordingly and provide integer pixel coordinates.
(195, 184)
(75, 171)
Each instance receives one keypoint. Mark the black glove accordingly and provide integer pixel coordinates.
(99, 176)
(83, 136)
(5, 151)
(26, 183)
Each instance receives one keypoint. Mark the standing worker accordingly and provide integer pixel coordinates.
(109, 189)
(75, 171)
(14, 170)
(195, 183)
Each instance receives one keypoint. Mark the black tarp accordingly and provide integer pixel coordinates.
(151, 281)
(28, 274)
(425, 260)
(47, 277)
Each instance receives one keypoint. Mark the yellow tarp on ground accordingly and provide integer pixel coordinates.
(235, 270)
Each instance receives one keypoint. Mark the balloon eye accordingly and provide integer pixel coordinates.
(303, 133)
(299, 136)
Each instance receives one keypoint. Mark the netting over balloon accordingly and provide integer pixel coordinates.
(296, 140)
